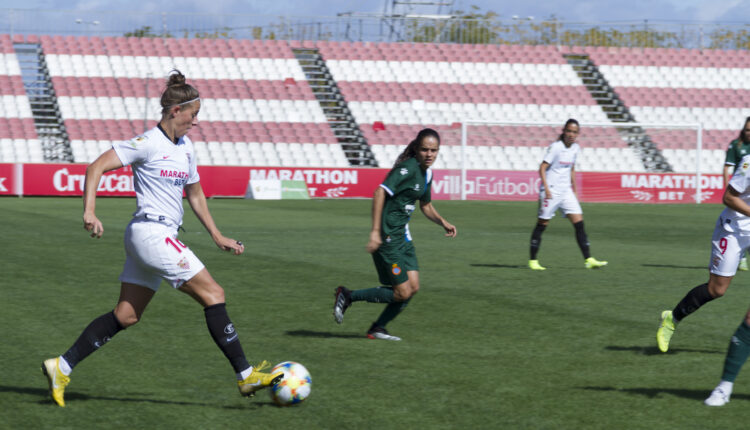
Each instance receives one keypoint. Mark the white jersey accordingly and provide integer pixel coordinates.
(161, 169)
(561, 160)
(732, 220)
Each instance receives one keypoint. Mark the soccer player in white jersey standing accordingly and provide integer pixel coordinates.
(558, 191)
(164, 165)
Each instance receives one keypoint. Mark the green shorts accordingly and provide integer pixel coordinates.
(392, 261)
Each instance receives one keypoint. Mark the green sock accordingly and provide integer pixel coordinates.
(739, 349)
(373, 295)
(390, 312)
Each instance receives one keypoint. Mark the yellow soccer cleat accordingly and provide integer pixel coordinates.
(593, 263)
(57, 381)
(665, 331)
(534, 265)
(257, 380)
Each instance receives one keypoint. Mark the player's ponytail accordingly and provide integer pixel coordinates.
(413, 146)
(178, 92)
(742, 137)
(561, 137)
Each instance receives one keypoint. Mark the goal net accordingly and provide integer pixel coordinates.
(499, 160)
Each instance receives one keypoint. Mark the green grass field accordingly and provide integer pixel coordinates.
(487, 342)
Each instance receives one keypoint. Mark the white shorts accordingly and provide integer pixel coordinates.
(154, 253)
(566, 202)
(726, 250)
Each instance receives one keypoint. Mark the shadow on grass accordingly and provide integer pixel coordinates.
(507, 266)
(72, 396)
(655, 392)
(653, 350)
(675, 266)
(323, 334)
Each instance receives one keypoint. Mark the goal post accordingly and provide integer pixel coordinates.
(643, 148)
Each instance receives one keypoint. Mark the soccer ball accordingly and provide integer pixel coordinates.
(295, 387)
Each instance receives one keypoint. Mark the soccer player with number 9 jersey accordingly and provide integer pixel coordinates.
(731, 238)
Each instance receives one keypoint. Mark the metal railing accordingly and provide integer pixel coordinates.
(372, 28)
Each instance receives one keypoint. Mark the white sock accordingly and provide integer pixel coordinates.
(245, 373)
(726, 387)
(64, 366)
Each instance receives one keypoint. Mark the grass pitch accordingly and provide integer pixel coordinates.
(487, 342)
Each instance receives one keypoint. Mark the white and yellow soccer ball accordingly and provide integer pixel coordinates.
(295, 387)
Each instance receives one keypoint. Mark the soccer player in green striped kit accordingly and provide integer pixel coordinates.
(390, 243)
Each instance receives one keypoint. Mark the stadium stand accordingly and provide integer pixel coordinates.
(394, 89)
(256, 106)
(18, 138)
(682, 86)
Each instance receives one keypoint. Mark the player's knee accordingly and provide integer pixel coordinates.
(214, 295)
(407, 291)
(127, 319)
(716, 289)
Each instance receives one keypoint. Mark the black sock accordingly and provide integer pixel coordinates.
(583, 241)
(536, 239)
(223, 332)
(696, 298)
(96, 334)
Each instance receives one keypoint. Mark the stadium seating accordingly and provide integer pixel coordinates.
(18, 138)
(257, 108)
(662, 85)
(394, 89)
(254, 96)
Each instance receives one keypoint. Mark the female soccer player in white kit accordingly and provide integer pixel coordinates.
(163, 163)
(558, 191)
(730, 240)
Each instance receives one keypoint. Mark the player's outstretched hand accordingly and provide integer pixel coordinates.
(227, 244)
(92, 224)
(450, 229)
(375, 242)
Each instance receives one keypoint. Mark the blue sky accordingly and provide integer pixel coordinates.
(566, 10)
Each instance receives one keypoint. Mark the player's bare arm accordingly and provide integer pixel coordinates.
(733, 200)
(543, 175)
(727, 173)
(106, 162)
(378, 201)
(197, 200)
(432, 214)
(573, 180)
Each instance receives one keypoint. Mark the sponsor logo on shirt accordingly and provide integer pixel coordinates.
(403, 171)
(134, 142)
(409, 209)
(416, 187)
